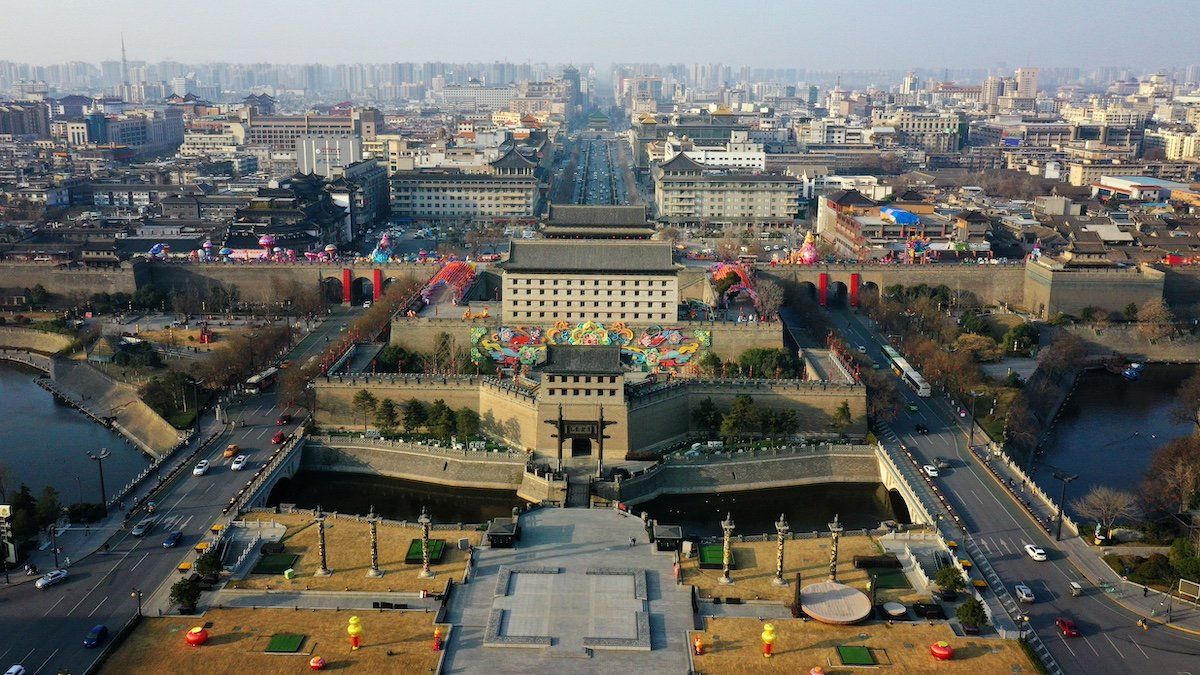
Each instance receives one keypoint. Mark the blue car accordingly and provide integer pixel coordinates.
(173, 539)
(95, 636)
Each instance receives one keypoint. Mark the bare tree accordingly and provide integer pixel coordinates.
(1155, 321)
(5, 478)
(1173, 477)
(1187, 400)
(1106, 506)
(770, 299)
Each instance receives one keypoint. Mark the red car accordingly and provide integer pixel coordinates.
(1067, 627)
(283, 419)
(278, 438)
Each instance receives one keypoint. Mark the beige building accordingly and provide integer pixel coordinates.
(686, 192)
(1176, 145)
(510, 189)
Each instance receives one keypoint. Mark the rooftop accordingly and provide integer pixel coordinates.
(609, 257)
(583, 360)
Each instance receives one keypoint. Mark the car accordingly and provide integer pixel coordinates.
(862, 349)
(144, 526)
(1066, 626)
(278, 438)
(15, 670)
(238, 463)
(941, 462)
(201, 468)
(283, 419)
(1024, 593)
(172, 539)
(367, 304)
(50, 578)
(930, 470)
(921, 429)
(231, 450)
(912, 407)
(95, 636)
(1035, 553)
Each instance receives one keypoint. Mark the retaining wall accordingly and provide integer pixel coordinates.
(465, 469)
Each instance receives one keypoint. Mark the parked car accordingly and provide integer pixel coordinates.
(921, 429)
(930, 470)
(95, 636)
(50, 578)
(1067, 627)
(142, 527)
(1035, 553)
(278, 438)
(1024, 593)
(239, 463)
(283, 420)
(201, 468)
(172, 539)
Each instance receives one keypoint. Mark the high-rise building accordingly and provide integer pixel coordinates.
(1027, 82)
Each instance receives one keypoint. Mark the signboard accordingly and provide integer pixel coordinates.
(5, 511)
(580, 429)
(1189, 589)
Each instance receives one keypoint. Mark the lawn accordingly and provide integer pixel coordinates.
(732, 647)
(392, 642)
(416, 556)
(755, 572)
(275, 563)
(348, 550)
(285, 643)
(712, 556)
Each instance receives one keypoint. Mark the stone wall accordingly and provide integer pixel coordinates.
(1181, 290)
(419, 334)
(729, 340)
(1049, 291)
(69, 282)
(1129, 343)
(33, 340)
(482, 470)
(335, 394)
(106, 397)
(993, 284)
(261, 281)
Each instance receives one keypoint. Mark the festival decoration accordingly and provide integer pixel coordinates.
(941, 650)
(808, 254)
(354, 630)
(266, 241)
(650, 348)
(768, 639)
(437, 638)
(383, 250)
(196, 636)
(160, 251)
(457, 275)
(316, 663)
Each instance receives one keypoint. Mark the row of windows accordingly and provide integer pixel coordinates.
(582, 392)
(586, 379)
(587, 282)
(570, 303)
(584, 292)
(568, 316)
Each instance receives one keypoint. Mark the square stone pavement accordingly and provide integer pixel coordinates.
(571, 605)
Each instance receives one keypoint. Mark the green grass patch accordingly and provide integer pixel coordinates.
(437, 547)
(855, 655)
(275, 563)
(890, 579)
(285, 643)
(712, 557)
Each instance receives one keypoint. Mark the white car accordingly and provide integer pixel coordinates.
(238, 463)
(1035, 553)
(50, 578)
(1024, 593)
(930, 470)
(201, 468)
(862, 349)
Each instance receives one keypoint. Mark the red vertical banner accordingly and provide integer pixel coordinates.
(823, 288)
(347, 282)
(376, 284)
(854, 281)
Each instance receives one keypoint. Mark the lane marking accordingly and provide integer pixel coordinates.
(1065, 644)
(139, 562)
(1143, 651)
(51, 608)
(1114, 645)
(39, 668)
(98, 606)
(31, 651)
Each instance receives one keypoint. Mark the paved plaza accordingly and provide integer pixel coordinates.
(573, 596)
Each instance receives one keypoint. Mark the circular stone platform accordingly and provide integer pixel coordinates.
(834, 603)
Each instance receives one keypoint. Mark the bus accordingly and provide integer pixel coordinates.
(262, 381)
(906, 372)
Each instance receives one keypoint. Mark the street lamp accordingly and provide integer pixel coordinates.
(137, 595)
(103, 455)
(1062, 498)
(971, 438)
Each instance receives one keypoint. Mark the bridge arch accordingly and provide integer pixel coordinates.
(331, 288)
(899, 506)
(838, 294)
(807, 290)
(279, 491)
(361, 290)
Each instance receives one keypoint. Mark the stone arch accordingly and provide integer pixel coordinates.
(279, 491)
(807, 290)
(837, 294)
(868, 289)
(331, 288)
(361, 290)
(899, 506)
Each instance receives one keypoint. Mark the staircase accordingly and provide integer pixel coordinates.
(579, 491)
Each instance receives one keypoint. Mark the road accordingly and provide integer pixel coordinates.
(1110, 642)
(43, 630)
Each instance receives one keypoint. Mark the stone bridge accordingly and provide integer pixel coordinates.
(844, 283)
(348, 283)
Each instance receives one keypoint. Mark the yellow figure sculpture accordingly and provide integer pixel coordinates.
(768, 639)
(354, 629)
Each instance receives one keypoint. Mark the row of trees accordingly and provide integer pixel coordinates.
(437, 418)
(756, 362)
(744, 417)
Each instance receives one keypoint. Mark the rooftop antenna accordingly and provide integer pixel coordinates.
(124, 63)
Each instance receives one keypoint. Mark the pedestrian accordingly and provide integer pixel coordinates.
(1145, 591)
(632, 541)
(67, 560)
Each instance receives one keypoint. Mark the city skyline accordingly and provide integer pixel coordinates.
(853, 36)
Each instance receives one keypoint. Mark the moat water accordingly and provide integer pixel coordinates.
(1109, 429)
(46, 443)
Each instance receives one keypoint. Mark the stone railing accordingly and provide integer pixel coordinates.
(419, 448)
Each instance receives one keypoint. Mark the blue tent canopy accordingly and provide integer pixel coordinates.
(900, 216)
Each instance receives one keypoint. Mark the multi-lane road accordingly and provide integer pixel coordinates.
(1111, 641)
(43, 630)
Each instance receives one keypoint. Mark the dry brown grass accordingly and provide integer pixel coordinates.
(732, 646)
(348, 548)
(810, 557)
(393, 642)
(179, 336)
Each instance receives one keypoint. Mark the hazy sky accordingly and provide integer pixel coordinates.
(820, 34)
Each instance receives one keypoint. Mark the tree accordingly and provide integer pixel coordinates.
(208, 564)
(466, 423)
(364, 404)
(981, 348)
(971, 613)
(786, 421)
(770, 299)
(1106, 506)
(842, 418)
(1155, 321)
(415, 415)
(1130, 312)
(1187, 400)
(707, 417)
(767, 363)
(741, 418)
(39, 296)
(1173, 477)
(1020, 338)
(185, 593)
(386, 416)
(5, 477)
(441, 421)
(973, 323)
(710, 364)
(883, 397)
(949, 579)
(48, 510)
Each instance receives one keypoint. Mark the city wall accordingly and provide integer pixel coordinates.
(31, 340)
(993, 284)
(1181, 290)
(265, 281)
(1049, 291)
(74, 282)
(1129, 343)
(464, 469)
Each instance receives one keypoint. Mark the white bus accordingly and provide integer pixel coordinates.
(906, 372)
(262, 381)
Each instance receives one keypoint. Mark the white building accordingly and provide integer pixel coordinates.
(323, 155)
(738, 153)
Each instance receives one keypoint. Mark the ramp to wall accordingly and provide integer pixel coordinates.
(106, 397)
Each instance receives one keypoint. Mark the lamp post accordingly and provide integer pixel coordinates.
(1062, 498)
(423, 519)
(971, 437)
(373, 519)
(835, 528)
(323, 570)
(137, 595)
(781, 527)
(726, 553)
(100, 457)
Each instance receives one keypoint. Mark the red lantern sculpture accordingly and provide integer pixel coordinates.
(196, 636)
(941, 650)
(316, 663)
